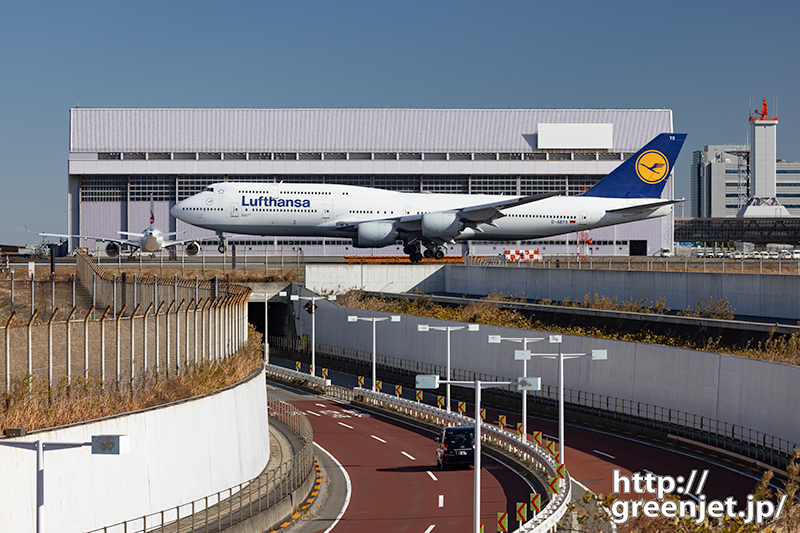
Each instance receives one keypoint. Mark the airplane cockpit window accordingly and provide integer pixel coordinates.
(208, 189)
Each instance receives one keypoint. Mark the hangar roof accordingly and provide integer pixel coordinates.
(345, 130)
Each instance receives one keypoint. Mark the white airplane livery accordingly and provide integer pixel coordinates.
(426, 223)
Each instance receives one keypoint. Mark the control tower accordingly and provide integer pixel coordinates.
(763, 201)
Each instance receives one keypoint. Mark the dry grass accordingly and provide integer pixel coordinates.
(780, 349)
(88, 399)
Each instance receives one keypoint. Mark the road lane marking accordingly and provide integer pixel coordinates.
(601, 453)
(432, 476)
(409, 456)
(441, 500)
(430, 528)
(321, 405)
(345, 425)
(348, 486)
(313, 413)
(378, 439)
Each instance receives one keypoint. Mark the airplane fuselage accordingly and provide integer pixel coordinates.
(324, 210)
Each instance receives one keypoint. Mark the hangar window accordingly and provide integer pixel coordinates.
(161, 187)
(493, 185)
(159, 156)
(103, 189)
(104, 156)
(310, 156)
(445, 184)
(359, 181)
(339, 156)
(134, 155)
(209, 155)
(360, 156)
(416, 156)
(398, 183)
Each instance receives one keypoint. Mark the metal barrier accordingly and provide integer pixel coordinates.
(122, 344)
(236, 504)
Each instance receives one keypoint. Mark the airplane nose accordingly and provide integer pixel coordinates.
(174, 210)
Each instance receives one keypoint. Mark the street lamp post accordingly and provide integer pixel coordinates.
(101, 445)
(597, 355)
(311, 309)
(448, 329)
(374, 320)
(523, 355)
(432, 382)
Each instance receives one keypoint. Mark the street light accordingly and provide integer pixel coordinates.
(310, 307)
(101, 445)
(448, 329)
(432, 382)
(374, 320)
(524, 355)
(597, 355)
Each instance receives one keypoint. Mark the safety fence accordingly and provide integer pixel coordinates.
(766, 451)
(531, 456)
(121, 345)
(223, 509)
(641, 263)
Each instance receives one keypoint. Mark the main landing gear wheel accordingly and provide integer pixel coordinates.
(416, 257)
(438, 254)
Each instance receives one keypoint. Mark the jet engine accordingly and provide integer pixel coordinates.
(192, 248)
(375, 234)
(442, 224)
(112, 249)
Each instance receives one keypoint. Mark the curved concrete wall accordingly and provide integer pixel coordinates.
(759, 395)
(178, 453)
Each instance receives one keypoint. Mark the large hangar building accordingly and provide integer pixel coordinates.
(118, 158)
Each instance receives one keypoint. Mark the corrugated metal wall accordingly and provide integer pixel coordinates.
(344, 130)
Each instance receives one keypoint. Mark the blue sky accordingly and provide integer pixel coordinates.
(703, 60)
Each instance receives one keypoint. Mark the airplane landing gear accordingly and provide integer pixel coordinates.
(222, 243)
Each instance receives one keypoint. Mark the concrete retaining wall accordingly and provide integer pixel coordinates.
(762, 295)
(179, 453)
(759, 395)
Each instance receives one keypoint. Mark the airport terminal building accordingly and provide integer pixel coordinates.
(118, 158)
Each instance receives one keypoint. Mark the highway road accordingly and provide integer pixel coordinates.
(592, 456)
(396, 485)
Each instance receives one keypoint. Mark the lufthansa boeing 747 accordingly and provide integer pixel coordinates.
(425, 223)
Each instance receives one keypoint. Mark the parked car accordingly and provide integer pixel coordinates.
(664, 252)
(796, 254)
(455, 446)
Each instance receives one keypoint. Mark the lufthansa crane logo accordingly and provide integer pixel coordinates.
(652, 167)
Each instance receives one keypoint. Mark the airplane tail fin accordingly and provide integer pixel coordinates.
(645, 174)
(152, 215)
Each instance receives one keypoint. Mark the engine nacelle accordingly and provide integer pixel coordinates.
(375, 234)
(112, 249)
(192, 248)
(442, 224)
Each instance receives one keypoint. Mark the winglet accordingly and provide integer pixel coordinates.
(645, 174)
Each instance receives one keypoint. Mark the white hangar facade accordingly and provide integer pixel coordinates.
(118, 158)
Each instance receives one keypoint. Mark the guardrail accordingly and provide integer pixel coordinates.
(236, 504)
(527, 454)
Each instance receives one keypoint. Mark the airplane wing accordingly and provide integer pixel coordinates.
(475, 215)
(168, 244)
(126, 242)
(443, 226)
(644, 208)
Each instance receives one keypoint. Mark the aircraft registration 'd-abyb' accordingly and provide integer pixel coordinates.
(425, 222)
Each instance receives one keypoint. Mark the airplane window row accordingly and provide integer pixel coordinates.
(284, 210)
(202, 208)
(540, 216)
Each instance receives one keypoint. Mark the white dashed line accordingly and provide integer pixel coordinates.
(321, 405)
(345, 425)
(432, 476)
(607, 455)
(313, 413)
(441, 500)
(409, 456)
(378, 439)
(430, 528)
